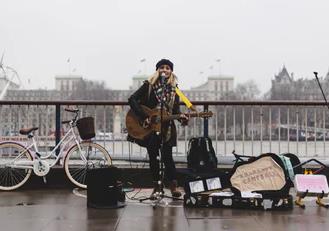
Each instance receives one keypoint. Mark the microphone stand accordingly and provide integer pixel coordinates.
(324, 96)
(161, 171)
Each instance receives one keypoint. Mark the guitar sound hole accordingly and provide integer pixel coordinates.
(155, 119)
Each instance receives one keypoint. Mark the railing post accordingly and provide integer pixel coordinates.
(205, 122)
(58, 126)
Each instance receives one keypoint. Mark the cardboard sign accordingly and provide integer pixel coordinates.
(262, 174)
(315, 184)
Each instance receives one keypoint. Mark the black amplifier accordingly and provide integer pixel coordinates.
(104, 188)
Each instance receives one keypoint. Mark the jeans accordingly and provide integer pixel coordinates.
(170, 169)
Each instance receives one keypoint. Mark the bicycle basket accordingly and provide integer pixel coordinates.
(86, 128)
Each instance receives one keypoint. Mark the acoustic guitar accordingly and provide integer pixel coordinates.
(135, 126)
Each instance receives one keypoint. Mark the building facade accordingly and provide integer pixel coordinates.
(71, 88)
(286, 87)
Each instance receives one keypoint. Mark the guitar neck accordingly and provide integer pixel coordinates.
(176, 117)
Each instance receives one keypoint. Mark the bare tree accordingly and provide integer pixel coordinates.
(90, 90)
(95, 90)
(247, 91)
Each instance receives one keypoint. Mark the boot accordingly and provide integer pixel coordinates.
(173, 189)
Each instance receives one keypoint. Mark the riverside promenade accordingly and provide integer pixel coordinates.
(57, 206)
(48, 209)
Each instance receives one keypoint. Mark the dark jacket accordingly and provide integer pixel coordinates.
(146, 96)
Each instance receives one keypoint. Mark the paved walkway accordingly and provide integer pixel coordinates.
(63, 209)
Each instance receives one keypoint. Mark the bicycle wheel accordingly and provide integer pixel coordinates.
(11, 175)
(76, 163)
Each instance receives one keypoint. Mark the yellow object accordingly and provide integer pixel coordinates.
(308, 172)
(183, 98)
(299, 202)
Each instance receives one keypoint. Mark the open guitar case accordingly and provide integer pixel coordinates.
(264, 199)
(270, 199)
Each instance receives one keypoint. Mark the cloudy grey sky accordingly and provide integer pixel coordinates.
(106, 39)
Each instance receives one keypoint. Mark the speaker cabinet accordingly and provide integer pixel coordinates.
(104, 188)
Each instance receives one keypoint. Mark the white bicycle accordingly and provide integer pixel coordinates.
(17, 161)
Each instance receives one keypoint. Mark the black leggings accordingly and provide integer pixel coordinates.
(170, 169)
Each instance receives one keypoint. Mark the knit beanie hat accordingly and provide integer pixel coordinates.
(165, 62)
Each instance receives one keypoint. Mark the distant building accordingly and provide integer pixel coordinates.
(138, 81)
(67, 82)
(286, 87)
(215, 88)
(37, 116)
(282, 85)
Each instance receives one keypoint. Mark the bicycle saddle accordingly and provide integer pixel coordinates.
(26, 131)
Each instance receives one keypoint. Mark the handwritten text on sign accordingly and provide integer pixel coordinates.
(262, 174)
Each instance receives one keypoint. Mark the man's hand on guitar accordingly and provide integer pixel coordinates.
(146, 122)
(184, 119)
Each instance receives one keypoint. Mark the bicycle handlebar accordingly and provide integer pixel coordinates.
(71, 110)
(239, 157)
(75, 117)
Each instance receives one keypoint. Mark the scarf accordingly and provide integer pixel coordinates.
(168, 94)
(169, 99)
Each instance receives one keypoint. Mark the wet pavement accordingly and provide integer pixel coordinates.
(65, 209)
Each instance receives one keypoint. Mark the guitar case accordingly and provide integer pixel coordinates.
(261, 182)
(265, 174)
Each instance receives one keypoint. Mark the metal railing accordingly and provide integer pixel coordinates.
(248, 127)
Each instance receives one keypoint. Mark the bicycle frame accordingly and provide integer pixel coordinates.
(68, 137)
(18, 160)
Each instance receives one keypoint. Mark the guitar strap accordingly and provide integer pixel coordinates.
(184, 99)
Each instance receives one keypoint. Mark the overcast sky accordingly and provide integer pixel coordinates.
(106, 39)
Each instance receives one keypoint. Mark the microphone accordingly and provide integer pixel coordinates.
(162, 78)
(315, 73)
